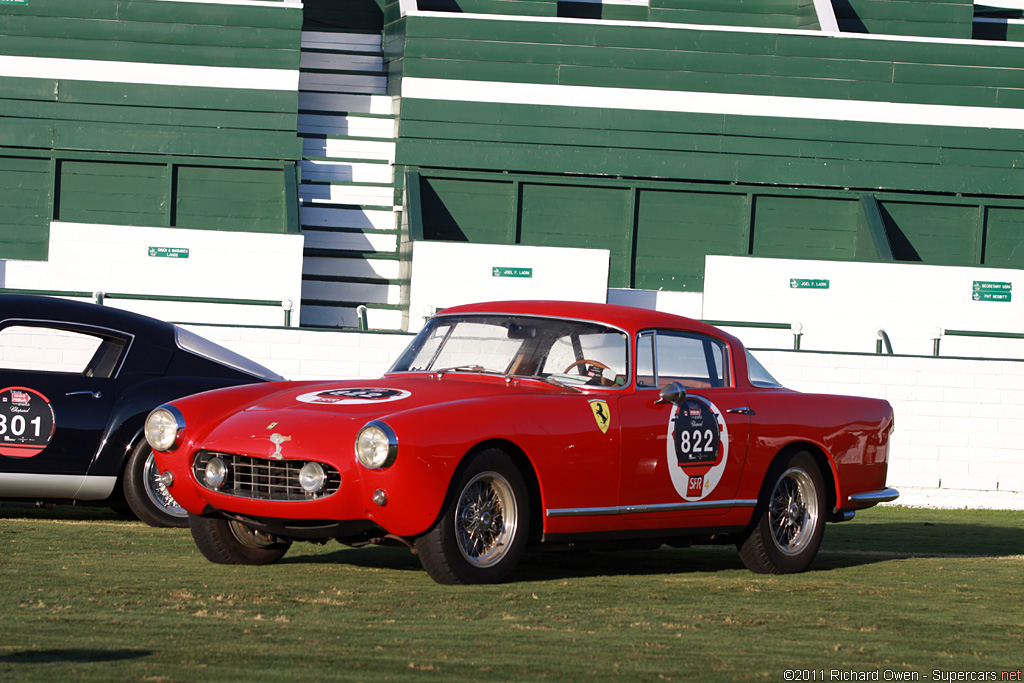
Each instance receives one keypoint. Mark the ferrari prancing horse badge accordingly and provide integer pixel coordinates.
(601, 414)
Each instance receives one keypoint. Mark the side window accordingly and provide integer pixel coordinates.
(645, 361)
(50, 349)
(695, 361)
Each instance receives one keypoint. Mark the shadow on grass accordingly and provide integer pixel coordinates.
(72, 656)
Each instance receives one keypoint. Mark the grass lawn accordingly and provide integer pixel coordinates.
(87, 596)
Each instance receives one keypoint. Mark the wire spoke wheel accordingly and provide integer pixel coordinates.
(485, 519)
(482, 531)
(158, 493)
(793, 511)
(789, 520)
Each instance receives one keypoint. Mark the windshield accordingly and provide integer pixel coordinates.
(562, 351)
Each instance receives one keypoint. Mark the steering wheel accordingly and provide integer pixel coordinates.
(597, 364)
(586, 360)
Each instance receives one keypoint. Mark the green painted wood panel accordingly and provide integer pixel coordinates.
(24, 207)
(113, 193)
(937, 234)
(805, 227)
(578, 216)
(1004, 238)
(254, 16)
(676, 230)
(210, 198)
(475, 211)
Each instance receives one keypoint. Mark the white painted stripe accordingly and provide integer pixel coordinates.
(1009, 4)
(148, 73)
(712, 103)
(451, 16)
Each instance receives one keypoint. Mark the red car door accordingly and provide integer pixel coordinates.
(681, 462)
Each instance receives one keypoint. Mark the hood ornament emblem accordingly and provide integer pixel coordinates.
(277, 440)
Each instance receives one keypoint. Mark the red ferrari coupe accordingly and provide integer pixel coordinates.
(505, 425)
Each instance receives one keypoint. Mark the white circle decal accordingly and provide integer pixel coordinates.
(354, 396)
(698, 447)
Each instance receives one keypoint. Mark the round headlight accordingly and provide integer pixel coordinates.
(216, 472)
(163, 427)
(312, 477)
(376, 445)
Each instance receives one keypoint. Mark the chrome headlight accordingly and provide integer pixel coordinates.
(163, 427)
(216, 472)
(376, 445)
(312, 477)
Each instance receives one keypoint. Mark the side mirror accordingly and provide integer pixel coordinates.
(674, 393)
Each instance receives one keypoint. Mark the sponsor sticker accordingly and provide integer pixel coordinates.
(26, 422)
(354, 396)
(697, 448)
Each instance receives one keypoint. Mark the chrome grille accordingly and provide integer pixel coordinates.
(262, 478)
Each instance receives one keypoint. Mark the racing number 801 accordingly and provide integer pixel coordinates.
(699, 442)
(18, 424)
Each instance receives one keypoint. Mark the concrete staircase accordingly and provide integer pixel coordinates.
(347, 195)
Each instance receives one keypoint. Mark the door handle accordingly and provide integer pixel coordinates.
(741, 411)
(85, 392)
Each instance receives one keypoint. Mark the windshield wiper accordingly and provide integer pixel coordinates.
(468, 368)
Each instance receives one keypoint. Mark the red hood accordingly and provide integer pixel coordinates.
(348, 405)
(383, 396)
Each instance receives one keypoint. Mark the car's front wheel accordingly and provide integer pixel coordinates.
(482, 532)
(789, 519)
(229, 542)
(148, 498)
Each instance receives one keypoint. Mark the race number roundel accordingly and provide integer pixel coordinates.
(698, 447)
(26, 422)
(353, 396)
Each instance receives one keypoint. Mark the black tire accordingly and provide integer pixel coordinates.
(146, 496)
(483, 530)
(229, 542)
(789, 521)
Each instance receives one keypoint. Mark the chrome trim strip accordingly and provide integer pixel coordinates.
(77, 486)
(655, 507)
(883, 496)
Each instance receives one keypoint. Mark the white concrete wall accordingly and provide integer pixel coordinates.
(908, 300)
(959, 439)
(300, 354)
(450, 273)
(116, 258)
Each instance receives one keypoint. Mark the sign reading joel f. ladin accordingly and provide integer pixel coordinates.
(169, 252)
(13, 2)
(500, 271)
(991, 291)
(804, 283)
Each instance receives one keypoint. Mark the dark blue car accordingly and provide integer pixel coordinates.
(76, 383)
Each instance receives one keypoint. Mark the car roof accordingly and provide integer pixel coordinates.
(36, 307)
(630, 318)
